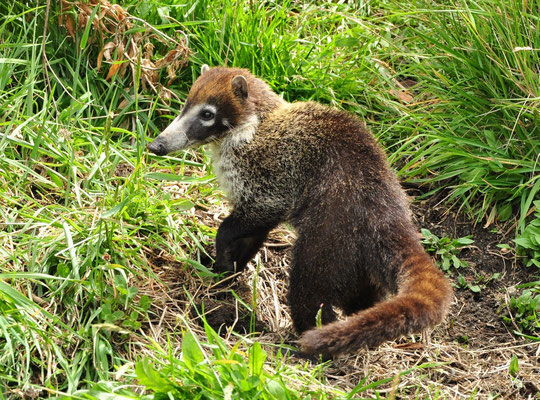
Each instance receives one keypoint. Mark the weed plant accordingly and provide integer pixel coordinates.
(525, 310)
(446, 250)
(529, 239)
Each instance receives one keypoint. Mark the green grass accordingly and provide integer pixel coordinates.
(77, 233)
(478, 126)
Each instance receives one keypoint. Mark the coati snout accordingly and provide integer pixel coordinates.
(323, 171)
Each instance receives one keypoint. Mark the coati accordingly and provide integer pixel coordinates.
(322, 170)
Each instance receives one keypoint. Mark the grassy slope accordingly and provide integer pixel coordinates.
(77, 232)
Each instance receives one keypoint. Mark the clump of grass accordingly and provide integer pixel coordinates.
(224, 373)
(210, 368)
(73, 224)
(475, 129)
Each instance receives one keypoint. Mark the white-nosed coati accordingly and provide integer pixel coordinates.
(322, 170)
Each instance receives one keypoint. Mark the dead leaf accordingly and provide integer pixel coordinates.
(106, 50)
(113, 70)
(165, 94)
(69, 26)
(110, 25)
(402, 95)
(120, 12)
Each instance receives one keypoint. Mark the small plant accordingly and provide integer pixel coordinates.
(525, 309)
(528, 241)
(477, 284)
(216, 370)
(445, 249)
(513, 367)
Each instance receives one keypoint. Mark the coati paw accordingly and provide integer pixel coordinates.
(319, 358)
(225, 269)
(223, 264)
(313, 344)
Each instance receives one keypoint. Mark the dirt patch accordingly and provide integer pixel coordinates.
(468, 355)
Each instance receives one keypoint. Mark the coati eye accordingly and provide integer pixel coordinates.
(207, 115)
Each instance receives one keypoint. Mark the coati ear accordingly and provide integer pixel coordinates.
(240, 86)
(204, 68)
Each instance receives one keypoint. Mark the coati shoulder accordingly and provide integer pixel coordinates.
(323, 171)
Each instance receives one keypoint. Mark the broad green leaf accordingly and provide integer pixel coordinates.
(191, 351)
(513, 368)
(257, 357)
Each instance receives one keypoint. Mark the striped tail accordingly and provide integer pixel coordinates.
(422, 301)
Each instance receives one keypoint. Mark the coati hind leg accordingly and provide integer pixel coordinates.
(368, 295)
(309, 288)
(305, 306)
(305, 300)
(237, 242)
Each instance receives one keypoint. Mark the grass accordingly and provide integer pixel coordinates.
(479, 121)
(87, 216)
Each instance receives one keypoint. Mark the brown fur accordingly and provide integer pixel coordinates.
(322, 170)
(215, 86)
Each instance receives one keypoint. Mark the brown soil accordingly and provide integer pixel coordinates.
(467, 356)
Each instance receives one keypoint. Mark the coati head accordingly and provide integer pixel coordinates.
(220, 101)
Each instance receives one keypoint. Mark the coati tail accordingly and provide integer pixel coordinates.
(422, 301)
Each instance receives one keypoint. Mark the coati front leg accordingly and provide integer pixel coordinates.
(238, 241)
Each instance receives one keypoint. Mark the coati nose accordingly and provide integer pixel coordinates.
(157, 147)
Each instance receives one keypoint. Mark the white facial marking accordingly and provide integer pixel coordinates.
(193, 112)
(213, 110)
(175, 135)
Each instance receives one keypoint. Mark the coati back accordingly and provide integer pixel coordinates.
(322, 170)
